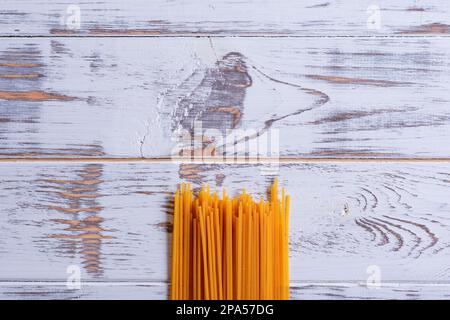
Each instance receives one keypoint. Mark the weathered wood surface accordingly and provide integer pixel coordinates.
(225, 17)
(337, 79)
(113, 221)
(145, 290)
(126, 97)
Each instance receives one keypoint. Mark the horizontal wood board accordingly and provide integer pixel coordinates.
(113, 222)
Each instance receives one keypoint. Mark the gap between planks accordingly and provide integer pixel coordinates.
(241, 161)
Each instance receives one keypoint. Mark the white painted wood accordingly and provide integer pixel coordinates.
(111, 219)
(124, 97)
(224, 17)
(88, 291)
(360, 291)
(149, 290)
(133, 72)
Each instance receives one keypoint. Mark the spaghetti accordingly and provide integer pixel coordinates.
(230, 248)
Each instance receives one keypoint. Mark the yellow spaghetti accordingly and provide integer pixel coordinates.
(229, 248)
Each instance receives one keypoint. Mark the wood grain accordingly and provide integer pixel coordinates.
(225, 17)
(113, 222)
(337, 80)
(154, 290)
(128, 97)
(352, 291)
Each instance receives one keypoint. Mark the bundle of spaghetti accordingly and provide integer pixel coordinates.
(229, 248)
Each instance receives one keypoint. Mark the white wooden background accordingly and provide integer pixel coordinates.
(87, 118)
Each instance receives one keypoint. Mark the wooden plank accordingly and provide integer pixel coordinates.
(349, 222)
(127, 97)
(149, 290)
(90, 291)
(359, 291)
(224, 17)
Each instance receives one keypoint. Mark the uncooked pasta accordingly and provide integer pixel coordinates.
(229, 248)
